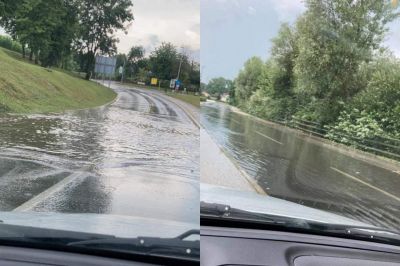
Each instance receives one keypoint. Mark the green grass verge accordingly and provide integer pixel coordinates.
(28, 88)
(192, 99)
(189, 98)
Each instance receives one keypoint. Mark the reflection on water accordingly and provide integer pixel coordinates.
(140, 131)
(292, 166)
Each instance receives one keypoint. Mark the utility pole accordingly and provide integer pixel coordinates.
(180, 64)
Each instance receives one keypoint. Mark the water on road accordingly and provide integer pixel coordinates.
(138, 156)
(292, 166)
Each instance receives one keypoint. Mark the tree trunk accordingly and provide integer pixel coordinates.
(31, 55)
(36, 58)
(89, 65)
(23, 50)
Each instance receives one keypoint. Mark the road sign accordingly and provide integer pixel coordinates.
(172, 83)
(154, 81)
(177, 84)
(105, 65)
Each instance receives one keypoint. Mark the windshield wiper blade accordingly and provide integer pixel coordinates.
(226, 212)
(375, 234)
(177, 246)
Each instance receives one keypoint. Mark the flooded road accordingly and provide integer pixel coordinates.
(138, 156)
(299, 168)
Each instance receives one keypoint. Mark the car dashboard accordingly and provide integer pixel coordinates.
(238, 246)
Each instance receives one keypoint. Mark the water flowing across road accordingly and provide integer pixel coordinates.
(138, 156)
(291, 165)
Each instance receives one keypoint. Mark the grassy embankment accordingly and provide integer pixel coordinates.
(28, 88)
(189, 98)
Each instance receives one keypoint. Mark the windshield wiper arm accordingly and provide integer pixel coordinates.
(222, 211)
(225, 212)
(177, 246)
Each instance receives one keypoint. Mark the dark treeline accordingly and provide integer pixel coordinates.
(330, 68)
(162, 63)
(65, 33)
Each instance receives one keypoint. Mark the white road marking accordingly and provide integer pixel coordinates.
(30, 204)
(365, 183)
(265, 136)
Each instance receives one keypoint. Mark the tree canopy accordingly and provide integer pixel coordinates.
(330, 67)
(52, 30)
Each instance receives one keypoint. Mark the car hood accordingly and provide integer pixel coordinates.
(117, 225)
(253, 202)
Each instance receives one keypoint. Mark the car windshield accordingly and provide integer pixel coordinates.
(303, 99)
(98, 109)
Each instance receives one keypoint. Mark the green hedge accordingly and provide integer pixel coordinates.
(10, 44)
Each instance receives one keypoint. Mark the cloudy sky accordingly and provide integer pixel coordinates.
(234, 30)
(157, 21)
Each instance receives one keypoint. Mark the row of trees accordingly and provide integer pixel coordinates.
(331, 68)
(218, 86)
(61, 32)
(163, 63)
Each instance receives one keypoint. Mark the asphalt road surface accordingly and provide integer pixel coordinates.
(293, 166)
(138, 156)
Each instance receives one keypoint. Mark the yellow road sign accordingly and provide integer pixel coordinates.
(154, 81)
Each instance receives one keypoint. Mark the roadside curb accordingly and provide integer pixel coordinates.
(253, 183)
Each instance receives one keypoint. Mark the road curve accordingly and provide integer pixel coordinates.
(138, 156)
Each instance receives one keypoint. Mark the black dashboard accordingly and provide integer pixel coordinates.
(238, 246)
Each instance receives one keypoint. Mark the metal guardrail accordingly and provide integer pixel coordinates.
(384, 146)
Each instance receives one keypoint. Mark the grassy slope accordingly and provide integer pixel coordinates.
(192, 99)
(189, 98)
(27, 88)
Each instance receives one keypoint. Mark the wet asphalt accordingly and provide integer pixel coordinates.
(138, 156)
(299, 168)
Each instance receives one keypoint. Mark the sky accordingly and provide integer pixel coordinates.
(232, 31)
(157, 21)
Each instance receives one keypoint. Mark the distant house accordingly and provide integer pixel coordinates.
(224, 97)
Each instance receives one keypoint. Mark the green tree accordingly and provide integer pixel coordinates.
(247, 81)
(334, 38)
(164, 61)
(219, 86)
(98, 22)
(135, 55)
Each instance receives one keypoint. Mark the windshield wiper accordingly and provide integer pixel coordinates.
(375, 234)
(222, 212)
(178, 246)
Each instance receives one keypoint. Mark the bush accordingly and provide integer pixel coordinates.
(355, 127)
(10, 44)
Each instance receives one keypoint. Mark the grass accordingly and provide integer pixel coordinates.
(189, 98)
(28, 88)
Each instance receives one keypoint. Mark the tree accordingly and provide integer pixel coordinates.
(247, 81)
(334, 38)
(219, 86)
(164, 61)
(48, 36)
(136, 53)
(98, 22)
